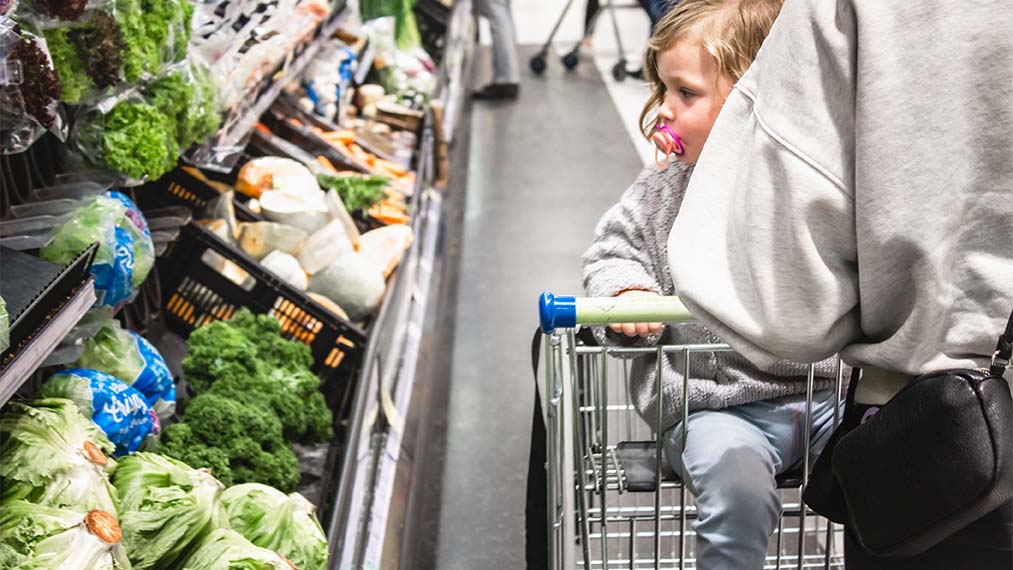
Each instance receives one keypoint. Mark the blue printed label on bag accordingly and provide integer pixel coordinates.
(115, 280)
(155, 379)
(118, 409)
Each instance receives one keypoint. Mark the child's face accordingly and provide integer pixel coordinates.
(696, 90)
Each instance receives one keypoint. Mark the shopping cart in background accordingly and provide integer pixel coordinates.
(612, 501)
(572, 58)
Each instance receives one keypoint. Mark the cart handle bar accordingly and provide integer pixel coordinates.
(564, 311)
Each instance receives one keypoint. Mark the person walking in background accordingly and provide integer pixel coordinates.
(860, 200)
(506, 67)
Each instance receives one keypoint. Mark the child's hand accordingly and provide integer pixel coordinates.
(636, 329)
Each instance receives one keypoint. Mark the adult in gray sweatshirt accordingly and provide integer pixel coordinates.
(856, 196)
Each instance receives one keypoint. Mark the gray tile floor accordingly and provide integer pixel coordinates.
(541, 172)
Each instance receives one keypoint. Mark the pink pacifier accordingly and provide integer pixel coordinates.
(666, 142)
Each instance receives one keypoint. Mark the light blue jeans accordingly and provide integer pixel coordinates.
(729, 464)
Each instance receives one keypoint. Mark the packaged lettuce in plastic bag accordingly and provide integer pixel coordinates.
(134, 138)
(118, 409)
(188, 99)
(125, 254)
(29, 90)
(113, 268)
(134, 222)
(133, 360)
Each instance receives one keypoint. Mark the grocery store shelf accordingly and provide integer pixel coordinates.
(43, 310)
(220, 152)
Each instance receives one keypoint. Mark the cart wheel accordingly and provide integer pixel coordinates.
(619, 70)
(571, 60)
(537, 64)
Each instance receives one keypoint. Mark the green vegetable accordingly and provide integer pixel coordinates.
(218, 350)
(69, 65)
(188, 101)
(247, 360)
(264, 331)
(54, 456)
(93, 222)
(165, 508)
(113, 351)
(286, 524)
(138, 141)
(246, 437)
(35, 537)
(358, 193)
(142, 53)
(226, 549)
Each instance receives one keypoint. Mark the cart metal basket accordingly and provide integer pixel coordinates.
(612, 500)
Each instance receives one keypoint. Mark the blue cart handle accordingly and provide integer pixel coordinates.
(563, 311)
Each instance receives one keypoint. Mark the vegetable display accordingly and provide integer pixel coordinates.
(283, 523)
(165, 508)
(54, 456)
(34, 537)
(226, 549)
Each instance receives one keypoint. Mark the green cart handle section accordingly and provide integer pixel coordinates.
(563, 311)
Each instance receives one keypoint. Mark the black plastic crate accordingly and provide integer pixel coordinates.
(179, 188)
(196, 292)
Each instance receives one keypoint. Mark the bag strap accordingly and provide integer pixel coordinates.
(1003, 350)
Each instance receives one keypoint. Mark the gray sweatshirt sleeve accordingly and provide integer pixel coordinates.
(624, 255)
(764, 252)
(620, 259)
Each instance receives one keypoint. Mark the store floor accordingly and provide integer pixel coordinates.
(541, 171)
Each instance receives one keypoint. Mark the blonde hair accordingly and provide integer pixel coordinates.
(729, 30)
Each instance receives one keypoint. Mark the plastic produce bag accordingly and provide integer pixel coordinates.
(119, 410)
(88, 56)
(133, 360)
(125, 254)
(29, 90)
(406, 29)
(188, 99)
(134, 139)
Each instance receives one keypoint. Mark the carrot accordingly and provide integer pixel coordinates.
(396, 169)
(360, 154)
(322, 161)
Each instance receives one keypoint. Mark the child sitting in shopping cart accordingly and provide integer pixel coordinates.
(745, 424)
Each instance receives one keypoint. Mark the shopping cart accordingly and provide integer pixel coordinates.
(572, 58)
(612, 500)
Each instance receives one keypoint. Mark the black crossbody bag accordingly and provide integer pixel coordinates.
(936, 457)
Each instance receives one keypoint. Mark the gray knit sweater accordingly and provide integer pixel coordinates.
(630, 252)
